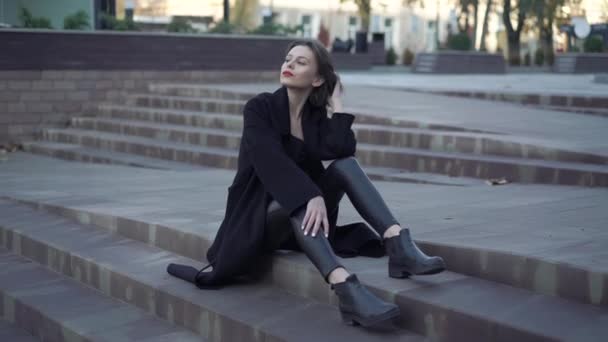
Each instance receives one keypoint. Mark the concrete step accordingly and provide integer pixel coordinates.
(74, 152)
(172, 116)
(483, 167)
(11, 333)
(582, 110)
(202, 136)
(200, 118)
(227, 135)
(197, 90)
(135, 273)
(415, 160)
(57, 308)
(91, 155)
(212, 105)
(543, 274)
(397, 175)
(437, 306)
(179, 152)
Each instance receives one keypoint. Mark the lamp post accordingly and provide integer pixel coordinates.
(226, 11)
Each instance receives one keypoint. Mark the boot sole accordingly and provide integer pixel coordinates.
(354, 320)
(397, 271)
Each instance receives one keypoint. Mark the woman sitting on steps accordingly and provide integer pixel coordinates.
(282, 196)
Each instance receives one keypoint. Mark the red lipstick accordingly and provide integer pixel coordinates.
(287, 73)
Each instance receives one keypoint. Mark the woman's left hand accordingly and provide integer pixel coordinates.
(336, 97)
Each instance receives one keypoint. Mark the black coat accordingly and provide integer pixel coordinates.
(266, 171)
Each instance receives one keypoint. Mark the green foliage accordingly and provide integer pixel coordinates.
(223, 27)
(112, 23)
(276, 29)
(408, 57)
(527, 59)
(593, 44)
(539, 57)
(459, 41)
(391, 56)
(29, 21)
(181, 25)
(574, 48)
(76, 21)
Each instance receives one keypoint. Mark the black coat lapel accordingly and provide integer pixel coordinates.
(280, 101)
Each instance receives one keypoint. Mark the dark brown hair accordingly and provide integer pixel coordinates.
(319, 97)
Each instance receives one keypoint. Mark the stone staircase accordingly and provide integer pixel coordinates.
(71, 273)
(173, 125)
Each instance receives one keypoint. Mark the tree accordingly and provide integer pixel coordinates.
(484, 26)
(180, 25)
(467, 10)
(365, 11)
(76, 21)
(545, 12)
(29, 21)
(520, 11)
(244, 13)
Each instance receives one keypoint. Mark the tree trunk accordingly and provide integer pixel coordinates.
(475, 24)
(484, 27)
(513, 34)
(513, 40)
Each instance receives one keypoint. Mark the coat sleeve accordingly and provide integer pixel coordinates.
(337, 140)
(286, 182)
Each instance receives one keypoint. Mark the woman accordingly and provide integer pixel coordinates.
(283, 198)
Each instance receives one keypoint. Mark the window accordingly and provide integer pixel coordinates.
(352, 27)
(375, 23)
(306, 23)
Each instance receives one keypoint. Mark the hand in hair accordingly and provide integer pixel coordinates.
(336, 97)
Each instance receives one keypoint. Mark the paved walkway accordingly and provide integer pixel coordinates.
(538, 83)
(558, 223)
(570, 131)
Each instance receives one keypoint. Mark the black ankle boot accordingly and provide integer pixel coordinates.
(405, 258)
(359, 306)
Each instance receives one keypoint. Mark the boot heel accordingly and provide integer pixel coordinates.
(349, 319)
(397, 271)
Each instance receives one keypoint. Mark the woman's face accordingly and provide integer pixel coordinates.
(299, 69)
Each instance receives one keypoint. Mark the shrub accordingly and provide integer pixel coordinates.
(391, 56)
(223, 27)
(539, 57)
(593, 44)
(459, 41)
(112, 23)
(29, 21)
(181, 25)
(408, 57)
(76, 21)
(276, 29)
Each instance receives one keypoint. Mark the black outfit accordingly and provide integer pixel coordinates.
(269, 169)
(341, 176)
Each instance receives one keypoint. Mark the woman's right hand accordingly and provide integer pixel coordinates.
(316, 215)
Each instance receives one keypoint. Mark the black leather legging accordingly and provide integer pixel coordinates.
(341, 176)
